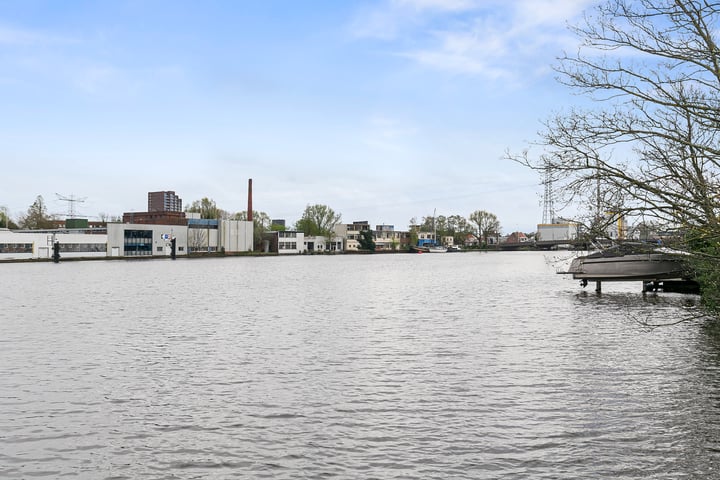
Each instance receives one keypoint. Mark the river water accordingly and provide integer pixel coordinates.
(463, 365)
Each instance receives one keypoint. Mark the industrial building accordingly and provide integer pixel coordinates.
(38, 244)
(141, 234)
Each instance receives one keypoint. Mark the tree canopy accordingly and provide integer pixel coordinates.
(5, 220)
(37, 216)
(318, 220)
(206, 207)
(648, 147)
(483, 225)
(366, 240)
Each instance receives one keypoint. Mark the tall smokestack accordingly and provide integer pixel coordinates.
(249, 212)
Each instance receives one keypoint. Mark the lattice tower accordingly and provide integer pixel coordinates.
(548, 206)
(71, 200)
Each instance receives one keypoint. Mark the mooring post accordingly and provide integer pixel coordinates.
(598, 286)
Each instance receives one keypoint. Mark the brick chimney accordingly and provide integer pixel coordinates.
(250, 211)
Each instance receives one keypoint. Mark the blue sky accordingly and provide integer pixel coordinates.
(384, 110)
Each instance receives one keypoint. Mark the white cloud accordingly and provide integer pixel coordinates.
(448, 5)
(493, 39)
(548, 12)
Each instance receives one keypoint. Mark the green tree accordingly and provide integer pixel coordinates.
(483, 225)
(457, 226)
(37, 217)
(318, 220)
(5, 220)
(366, 240)
(414, 229)
(206, 207)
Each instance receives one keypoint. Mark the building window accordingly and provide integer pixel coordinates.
(138, 242)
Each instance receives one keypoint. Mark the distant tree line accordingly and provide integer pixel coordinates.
(480, 225)
(316, 220)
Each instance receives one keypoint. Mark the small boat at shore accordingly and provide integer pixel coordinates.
(639, 266)
(627, 263)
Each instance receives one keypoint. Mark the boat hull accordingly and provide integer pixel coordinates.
(646, 266)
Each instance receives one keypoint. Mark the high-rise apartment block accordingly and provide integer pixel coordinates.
(164, 202)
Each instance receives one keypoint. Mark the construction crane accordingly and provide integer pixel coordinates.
(71, 200)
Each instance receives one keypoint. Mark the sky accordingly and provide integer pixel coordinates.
(383, 110)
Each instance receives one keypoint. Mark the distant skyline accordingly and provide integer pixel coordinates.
(382, 110)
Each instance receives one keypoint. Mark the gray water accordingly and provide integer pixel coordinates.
(462, 365)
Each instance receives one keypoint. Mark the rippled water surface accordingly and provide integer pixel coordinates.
(462, 365)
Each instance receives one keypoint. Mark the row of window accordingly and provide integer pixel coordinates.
(287, 245)
(64, 247)
(138, 234)
(200, 249)
(83, 247)
(16, 248)
(137, 253)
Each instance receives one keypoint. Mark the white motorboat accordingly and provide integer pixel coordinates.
(621, 267)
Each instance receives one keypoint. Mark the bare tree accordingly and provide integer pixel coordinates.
(197, 239)
(649, 145)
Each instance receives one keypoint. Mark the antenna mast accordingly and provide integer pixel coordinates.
(71, 200)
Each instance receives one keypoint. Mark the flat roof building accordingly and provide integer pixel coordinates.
(165, 201)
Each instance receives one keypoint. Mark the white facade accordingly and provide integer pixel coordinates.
(141, 240)
(25, 245)
(557, 232)
(236, 235)
(290, 242)
(320, 243)
(126, 240)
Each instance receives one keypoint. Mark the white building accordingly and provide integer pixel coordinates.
(125, 240)
(557, 232)
(141, 240)
(25, 245)
(320, 243)
(230, 236)
(236, 236)
(290, 242)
